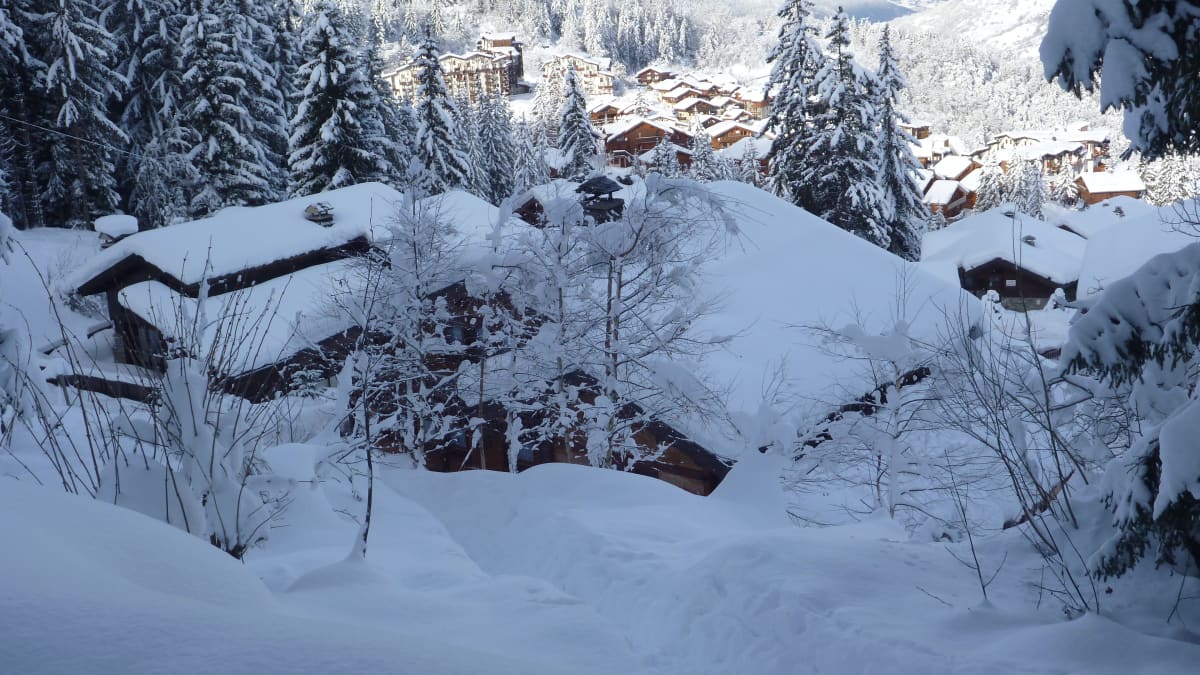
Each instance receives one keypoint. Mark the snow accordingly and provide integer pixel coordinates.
(1125, 245)
(1031, 244)
(239, 238)
(117, 225)
(942, 192)
(789, 269)
(761, 146)
(972, 181)
(953, 167)
(1112, 181)
(1097, 217)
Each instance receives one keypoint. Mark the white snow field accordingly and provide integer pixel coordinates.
(561, 569)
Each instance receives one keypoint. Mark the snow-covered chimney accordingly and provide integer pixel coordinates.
(114, 228)
(320, 213)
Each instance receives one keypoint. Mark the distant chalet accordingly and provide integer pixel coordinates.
(595, 75)
(495, 69)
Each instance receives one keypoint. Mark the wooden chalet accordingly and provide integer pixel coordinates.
(753, 101)
(1097, 186)
(626, 141)
(680, 93)
(1022, 259)
(954, 167)
(692, 107)
(917, 129)
(664, 452)
(650, 74)
(946, 197)
(725, 134)
(604, 113)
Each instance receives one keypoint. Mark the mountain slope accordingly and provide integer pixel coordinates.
(1003, 26)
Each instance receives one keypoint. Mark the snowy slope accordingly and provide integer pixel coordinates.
(1120, 249)
(1001, 26)
(790, 269)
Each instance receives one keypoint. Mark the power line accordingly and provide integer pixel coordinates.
(66, 135)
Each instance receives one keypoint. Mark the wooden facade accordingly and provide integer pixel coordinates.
(1015, 285)
(649, 75)
(624, 148)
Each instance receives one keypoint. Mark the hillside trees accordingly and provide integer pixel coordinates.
(795, 62)
(337, 134)
(496, 154)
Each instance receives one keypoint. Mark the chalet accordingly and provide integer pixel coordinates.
(680, 93)
(650, 74)
(692, 107)
(626, 140)
(1097, 186)
(471, 76)
(917, 129)
(595, 76)
(946, 197)
(725, 134)
(954, 167)
(971, 183)
(1022, 259)
(267, 278)
(754, 101)
(663, 86)
(604, 112)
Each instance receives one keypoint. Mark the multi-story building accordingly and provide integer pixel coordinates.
(470, 76)
(594, 75)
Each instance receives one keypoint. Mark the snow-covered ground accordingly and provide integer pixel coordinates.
(559, 569)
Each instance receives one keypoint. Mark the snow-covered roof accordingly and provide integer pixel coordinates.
(648, 155)
(1028, 243)
(953, 166)
(240, 238)
(971, 181)
(666, 85)
(750, 94)
(1112, 181)
(1128, 243)
(942, 192)
(273, 320)
(689, 103)
(602, 104)
(721, 128)
(1097, 217)
(624, 126)
(116, 225)
(761, 147)
(681, 92)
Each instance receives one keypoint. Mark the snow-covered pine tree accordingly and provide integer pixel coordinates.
(993, 190)
(901, 199)
(577, 140)
(496, 149)
(80, 84)
(795, 62)
(438, 144)
(20, 100)
(665, 158)
(231, 158)
(1140, 337)
(531, 166)
(838, 179)
(267, 68)
(1027, 188)
(548, 97)
(749, 167)
(1146, 51)
(330, 144)
(706, 166)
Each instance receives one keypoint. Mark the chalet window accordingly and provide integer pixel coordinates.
(1010, 283)
(458, 335)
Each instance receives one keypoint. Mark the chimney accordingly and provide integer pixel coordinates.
(114, 228)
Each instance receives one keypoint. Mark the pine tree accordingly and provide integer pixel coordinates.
(665, 158)
(531, 158)
(267, 81)
(331, 146)
(992, 190)
(497, 151)
(80, 83)
(795, 63)
(231, 158)
(705, 164)
(901, 199)
(548, 98)
(750, 167)
(576, 138)
(438, 144)
(838, 175)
